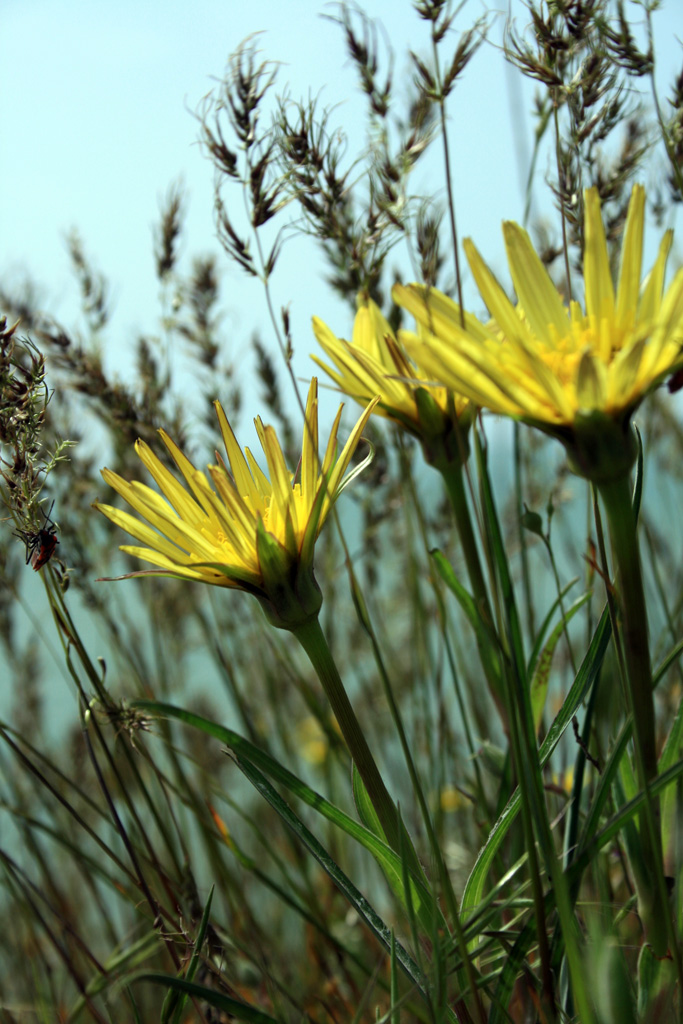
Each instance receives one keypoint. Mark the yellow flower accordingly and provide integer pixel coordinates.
(569, 372)
(246, 531)
(374, 363)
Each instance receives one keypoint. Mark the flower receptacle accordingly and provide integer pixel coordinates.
(600, 447)
(290, 595)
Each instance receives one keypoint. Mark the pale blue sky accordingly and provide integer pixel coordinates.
(95, 126)
(95, 102)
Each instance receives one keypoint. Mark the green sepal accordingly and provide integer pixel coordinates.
(291, 595)
(599, 447)
(433, 420)
(443, 436)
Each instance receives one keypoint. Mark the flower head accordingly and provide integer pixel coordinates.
(375, 363)
(573, 373)
(245, 531)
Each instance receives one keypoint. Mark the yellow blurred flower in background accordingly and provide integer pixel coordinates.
(311, 741)
(451, 799)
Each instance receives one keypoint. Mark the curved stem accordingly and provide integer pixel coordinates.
(312, 639)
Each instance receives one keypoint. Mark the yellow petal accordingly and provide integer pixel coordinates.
(436, 312)
(478, 374)
(361, 376)
(591, 383)
(669, 327)
(309, 446)
(141, 531)
(349, 448)
(596, 269)
(653, 287)
(159, 513)
(199, 575)
(188, 471)
(370, 329)
(263, 484)
(628, 289)
(548, 383)
(624, 373)
(280, 478)
(238, 519)
(181, 501)
(238, 464)
(493, 294)
(331, 449)
(537, 294)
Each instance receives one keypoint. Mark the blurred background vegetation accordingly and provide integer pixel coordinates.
(114, 827)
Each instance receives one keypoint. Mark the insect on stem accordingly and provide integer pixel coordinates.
(40, 544)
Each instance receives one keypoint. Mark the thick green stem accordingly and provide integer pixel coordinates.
(616, 498)
(312, 639)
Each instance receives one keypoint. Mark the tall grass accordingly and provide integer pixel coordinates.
(438, 805)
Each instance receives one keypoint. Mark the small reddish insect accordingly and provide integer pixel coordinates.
(40, 545)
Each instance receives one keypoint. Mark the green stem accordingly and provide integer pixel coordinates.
(441, 100)
(521, 537)
(312, 639)
(455, 485)
(452, 473)
(652, 900)
(616, 498)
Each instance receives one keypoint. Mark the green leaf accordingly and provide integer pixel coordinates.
(181, 999)
(486, 643)
(670, 754)
(585, 678)
(394, 1011)
(360, 904)
(532, 522)
(366, 811)
(275, 771)
(545, 626)
(655, 989)
(527, 937)
(627, 813)
(144, 948)
(603, 790)
(673, 655)
(612, 984)
(497, 547)
(250, 759)
(541, 676)
(234, 1007)
(418, 900)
